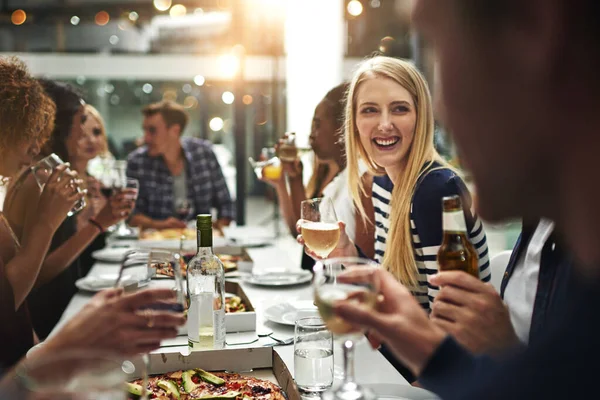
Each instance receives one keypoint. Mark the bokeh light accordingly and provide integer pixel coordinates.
(216, 124)
(199, 80)
(75, 20)
(170, 95)
(178, 10)
(228, 98)
(355, 8)
(18, 17)
(133, 16)
(102, 18)
(162, 5)
(147, 88)
(247, 99)
(190, 102)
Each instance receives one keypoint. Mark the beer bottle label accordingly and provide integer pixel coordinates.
(454, 221)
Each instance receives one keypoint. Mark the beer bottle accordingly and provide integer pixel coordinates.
(456, 251)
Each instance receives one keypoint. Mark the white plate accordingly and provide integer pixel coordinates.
(287, 313)
(111, 254)
(101, 282)
(401, 392)
(278, 278)
(248, 236)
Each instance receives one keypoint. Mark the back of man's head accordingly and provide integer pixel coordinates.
(172, 113)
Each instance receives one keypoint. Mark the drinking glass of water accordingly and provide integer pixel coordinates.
(313, 356)
(43, 169)
(320, 229)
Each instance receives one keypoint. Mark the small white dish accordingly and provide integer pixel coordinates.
(278, 279)
(287, 313)
(101, 282)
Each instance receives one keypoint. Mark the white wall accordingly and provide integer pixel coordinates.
(314, 41)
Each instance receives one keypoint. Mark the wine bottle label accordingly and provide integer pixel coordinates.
(193, 321)
(454, 221)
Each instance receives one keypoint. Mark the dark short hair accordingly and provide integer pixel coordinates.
(172, 113)
(27, 113)
(68, 102)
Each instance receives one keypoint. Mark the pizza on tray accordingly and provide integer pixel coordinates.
(199, 384)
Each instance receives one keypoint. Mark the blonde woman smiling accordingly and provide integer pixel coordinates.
(389, 124)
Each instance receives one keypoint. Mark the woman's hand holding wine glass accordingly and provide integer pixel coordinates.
(117, 208)
(321, 233)
(58, 196)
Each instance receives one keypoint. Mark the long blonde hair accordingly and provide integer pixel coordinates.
(399, 256)
(94, 113)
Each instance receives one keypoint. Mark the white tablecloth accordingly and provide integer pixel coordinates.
(371, 366)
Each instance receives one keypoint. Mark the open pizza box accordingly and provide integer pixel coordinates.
(235, 322)
(260, 362)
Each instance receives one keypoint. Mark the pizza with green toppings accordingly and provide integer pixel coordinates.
(199, 384)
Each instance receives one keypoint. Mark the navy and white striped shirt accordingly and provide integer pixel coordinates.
(426, 225)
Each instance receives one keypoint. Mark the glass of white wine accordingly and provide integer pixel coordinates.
(319, 227)
(331, 286)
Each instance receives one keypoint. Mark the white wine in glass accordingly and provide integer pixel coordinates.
(332, 284)
(327, 294)
(320, 229)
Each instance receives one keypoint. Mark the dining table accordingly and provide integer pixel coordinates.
(280, 253)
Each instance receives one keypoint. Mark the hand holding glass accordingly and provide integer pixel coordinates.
(319, 226)
(332, 284)
(43, 169)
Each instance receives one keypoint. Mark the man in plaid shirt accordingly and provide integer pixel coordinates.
(173, 170)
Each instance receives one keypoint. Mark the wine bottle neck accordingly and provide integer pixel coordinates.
(204, 239)
(454, 221)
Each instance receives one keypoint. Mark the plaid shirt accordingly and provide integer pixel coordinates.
(206, 184)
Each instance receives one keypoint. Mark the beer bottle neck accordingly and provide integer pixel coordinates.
(454, 221)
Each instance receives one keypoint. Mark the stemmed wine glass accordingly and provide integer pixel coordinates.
(131, 188)
(141, 267)
(319, 226)
(330, 287)
(106, 177)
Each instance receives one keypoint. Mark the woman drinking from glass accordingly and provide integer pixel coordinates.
(63, 264)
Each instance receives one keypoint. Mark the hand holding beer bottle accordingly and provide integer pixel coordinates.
(457, 251)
